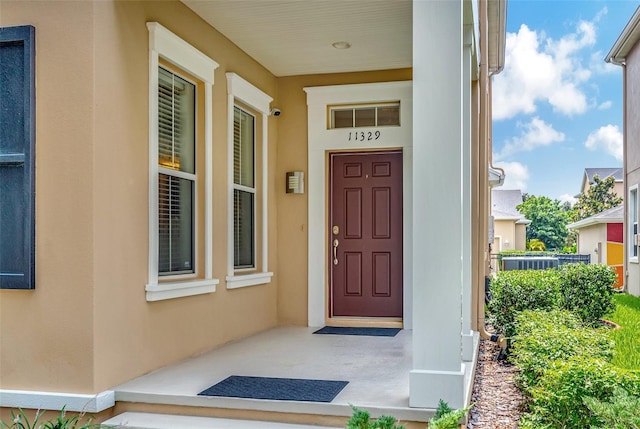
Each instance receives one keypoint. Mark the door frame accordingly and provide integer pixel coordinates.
(322, 141)
(360, 320)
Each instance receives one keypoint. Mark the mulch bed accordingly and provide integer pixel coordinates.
(498, 402)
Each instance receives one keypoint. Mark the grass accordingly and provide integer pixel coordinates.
(627, 339)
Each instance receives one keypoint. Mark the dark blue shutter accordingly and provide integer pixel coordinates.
(17, 157)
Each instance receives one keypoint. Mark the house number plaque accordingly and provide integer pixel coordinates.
(361, 136)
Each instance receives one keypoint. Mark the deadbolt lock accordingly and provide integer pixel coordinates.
(335, 229)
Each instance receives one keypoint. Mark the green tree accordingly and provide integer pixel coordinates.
(599, 197)
(548, 221)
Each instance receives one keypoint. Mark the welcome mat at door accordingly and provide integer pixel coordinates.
(371, 332)
(277, 389)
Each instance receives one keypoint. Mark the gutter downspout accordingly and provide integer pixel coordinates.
(625, 211)
(484, 162)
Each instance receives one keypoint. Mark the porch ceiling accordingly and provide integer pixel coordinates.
(294, 37)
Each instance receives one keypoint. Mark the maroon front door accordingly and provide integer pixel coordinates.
(365, 235)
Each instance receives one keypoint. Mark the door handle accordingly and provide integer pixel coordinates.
(335, 251)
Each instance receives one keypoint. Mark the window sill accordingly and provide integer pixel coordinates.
(234, 282)
(633, 260)
(162, 291)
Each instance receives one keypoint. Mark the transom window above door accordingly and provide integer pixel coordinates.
(387, 114)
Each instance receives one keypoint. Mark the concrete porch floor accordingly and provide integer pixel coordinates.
(377, 369)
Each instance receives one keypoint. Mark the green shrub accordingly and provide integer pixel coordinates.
(622, 411)
(557, 401)
(536, 245)
(514, 291)
(447, 418)
(546, 336)
(588, 290)
(361, 419)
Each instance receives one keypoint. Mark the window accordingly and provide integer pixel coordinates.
(17, 157)
(176, 173)
(365, 116)
(244, 190)
(180, 168)
(248, 144)
(633, 224)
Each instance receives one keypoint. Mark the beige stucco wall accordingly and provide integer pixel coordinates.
(520, 237)
(588, 239)
(88, 324)
(54, 324)
(511, 236)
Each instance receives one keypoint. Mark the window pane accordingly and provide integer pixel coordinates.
(366, 117)
(389, 115)
(243, 148)
(243, 229)
(176, 122)
(342, 118)
(175, 225)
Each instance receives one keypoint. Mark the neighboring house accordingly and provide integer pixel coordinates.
(626, 53)
(509, 225)
(601, 236)
(149, 209)
(603, 173)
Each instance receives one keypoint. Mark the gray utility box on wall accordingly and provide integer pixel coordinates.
(528, 263)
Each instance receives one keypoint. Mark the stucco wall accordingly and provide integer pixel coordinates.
(632, 153)
(88, 324)
(588, 239)
(46, 337)
(505, 229)
(521, 237)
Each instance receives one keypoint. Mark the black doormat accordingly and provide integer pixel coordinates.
(371, 332)
(278, 389)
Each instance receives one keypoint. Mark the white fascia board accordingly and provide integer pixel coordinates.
(627, 39)
(593, 221)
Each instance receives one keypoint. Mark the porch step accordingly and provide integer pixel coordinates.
(132, 420)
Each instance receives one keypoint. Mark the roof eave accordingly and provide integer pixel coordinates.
(593, 221)
(627, 39)
(497, 26)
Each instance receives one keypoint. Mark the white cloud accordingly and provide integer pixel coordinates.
(570, 198)
(516, 175)
(533, 134)
(607, 138)
(541, 69)
(605, 105)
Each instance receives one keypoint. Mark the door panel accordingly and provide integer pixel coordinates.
(366, 247)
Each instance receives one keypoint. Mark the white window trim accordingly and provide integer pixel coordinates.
(632, 259)
(239, 89)
(166, 45)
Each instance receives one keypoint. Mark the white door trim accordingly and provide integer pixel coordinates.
(321, 141)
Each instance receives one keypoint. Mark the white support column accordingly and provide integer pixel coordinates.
(438, 371)
(467, 334)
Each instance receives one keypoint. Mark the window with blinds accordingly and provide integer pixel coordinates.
(244, 189)
(176, 173)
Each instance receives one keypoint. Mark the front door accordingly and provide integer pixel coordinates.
(365, 234)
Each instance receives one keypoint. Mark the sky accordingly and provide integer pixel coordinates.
(557, 105)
